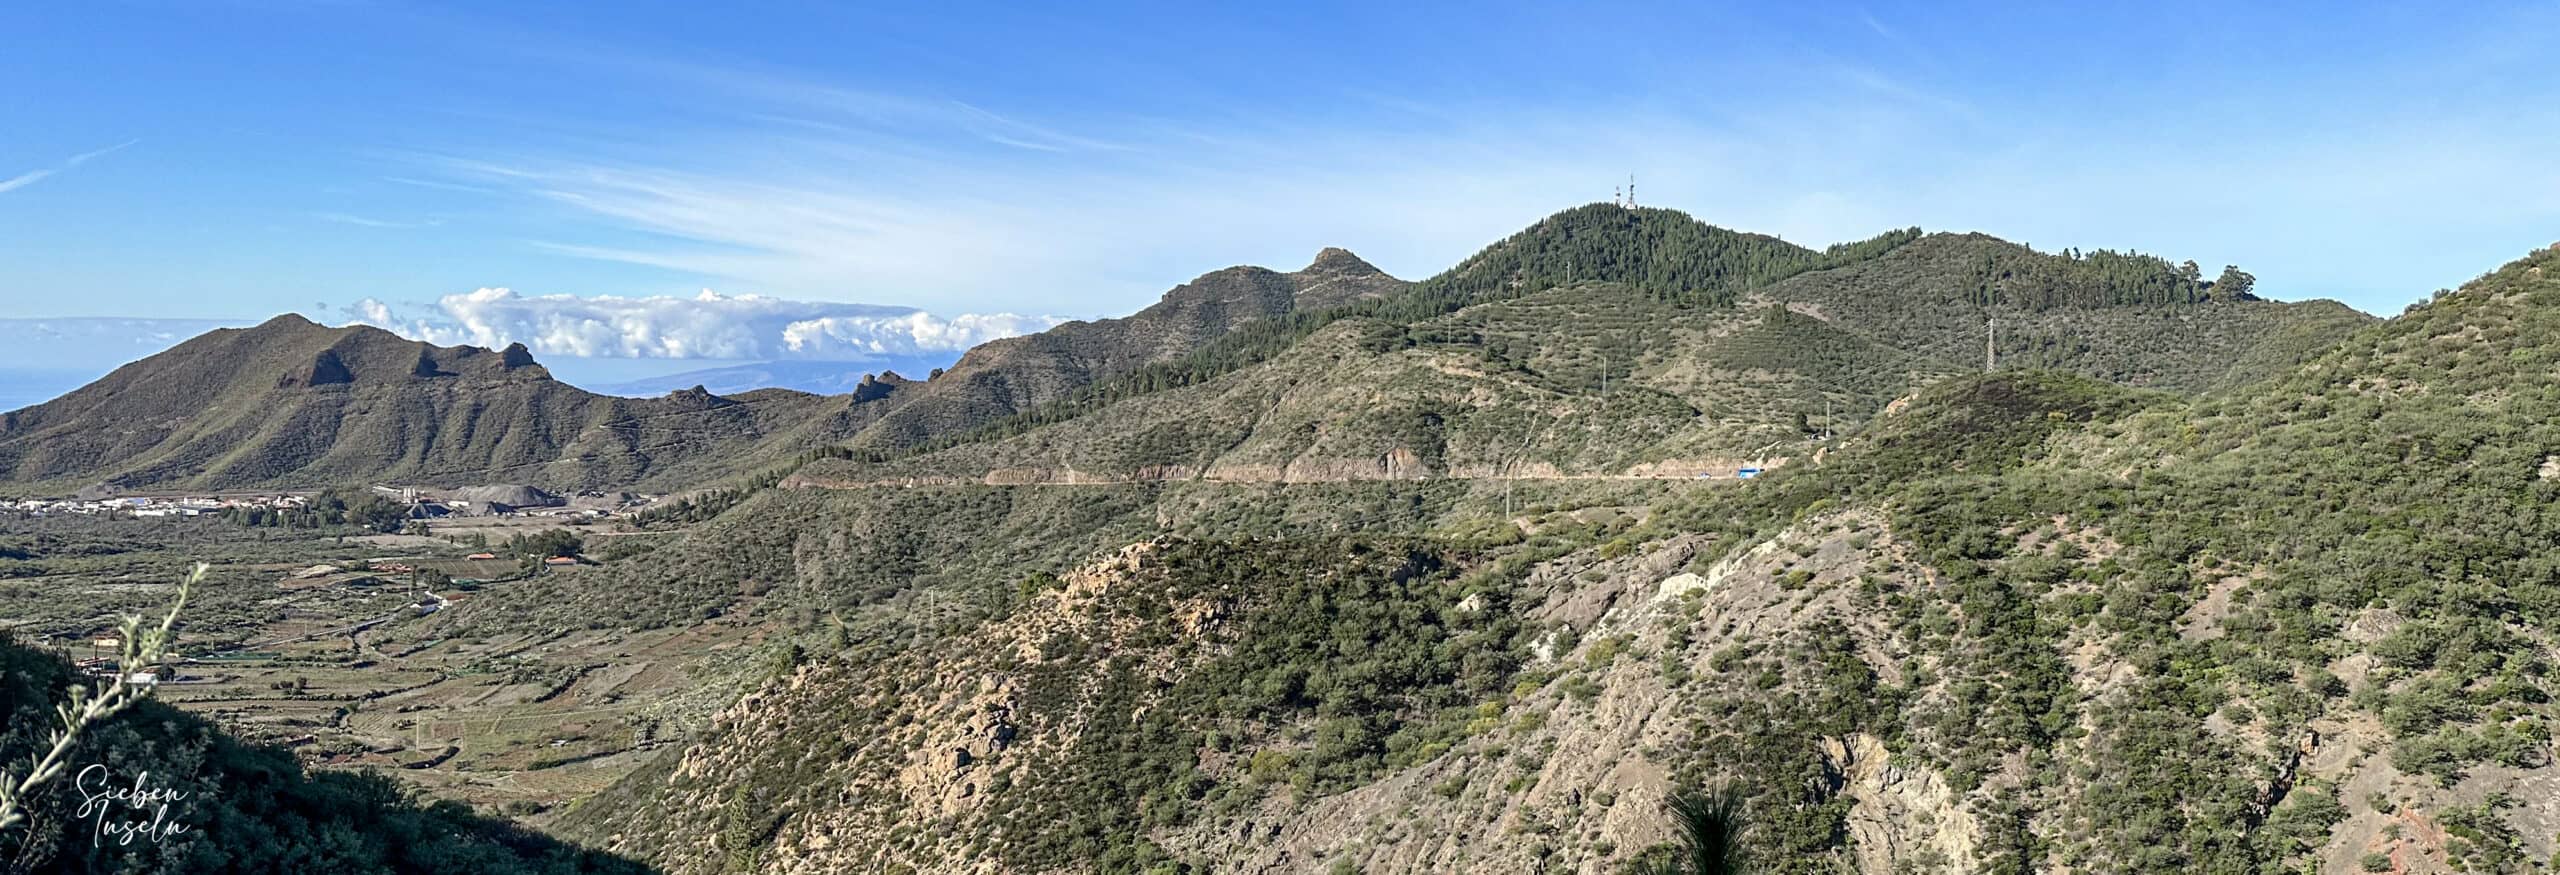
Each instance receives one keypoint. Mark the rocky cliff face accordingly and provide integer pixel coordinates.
(1902, 818)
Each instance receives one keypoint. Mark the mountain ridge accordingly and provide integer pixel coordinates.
(1009, 376)
(362, 404)
(292, 403)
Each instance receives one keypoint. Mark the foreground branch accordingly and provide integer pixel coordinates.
(142, 649)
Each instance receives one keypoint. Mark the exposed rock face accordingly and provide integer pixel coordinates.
(1906, 818)
(326, 369)
(946, 776)
(1607, 722)
(1396, 464)
(875, 387)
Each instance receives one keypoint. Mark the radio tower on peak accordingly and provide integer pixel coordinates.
(1631, 191)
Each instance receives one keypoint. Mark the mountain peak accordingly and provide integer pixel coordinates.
(1337, 261)
(1337, 277)
(289, 320)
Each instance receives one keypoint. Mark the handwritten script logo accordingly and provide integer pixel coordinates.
(125, 813)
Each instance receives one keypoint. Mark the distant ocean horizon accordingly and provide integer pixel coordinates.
(27, 387)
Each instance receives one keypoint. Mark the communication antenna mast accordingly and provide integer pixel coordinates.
(1631, 191)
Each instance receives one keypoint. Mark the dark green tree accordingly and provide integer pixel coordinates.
(2234, 285)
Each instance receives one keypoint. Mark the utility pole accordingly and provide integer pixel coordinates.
(1991, 344)
(1509, 470)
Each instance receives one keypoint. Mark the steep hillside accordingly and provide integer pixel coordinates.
(1663, 255)
(2026, 621)
(292, 403)
(1003, 377)
(1025, 754)
(1595, 380)
(2316, 608)
(901, 559)
(241, 809)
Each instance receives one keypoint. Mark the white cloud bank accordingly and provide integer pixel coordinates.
(707, 326)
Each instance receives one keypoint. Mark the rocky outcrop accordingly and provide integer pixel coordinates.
(1906, 819)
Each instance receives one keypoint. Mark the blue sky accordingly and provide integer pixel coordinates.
(237, 159)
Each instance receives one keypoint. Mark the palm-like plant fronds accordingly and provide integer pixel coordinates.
(1711, 824)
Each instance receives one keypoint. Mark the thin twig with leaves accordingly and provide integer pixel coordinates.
(140, 650)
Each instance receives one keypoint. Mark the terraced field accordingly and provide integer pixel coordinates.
(292, 640)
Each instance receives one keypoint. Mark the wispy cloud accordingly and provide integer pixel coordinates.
(1007, 131)
(1112, 228)
(438, 184)
(366, 222)
(34, 176)
(815, 189)
(1877, 26)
